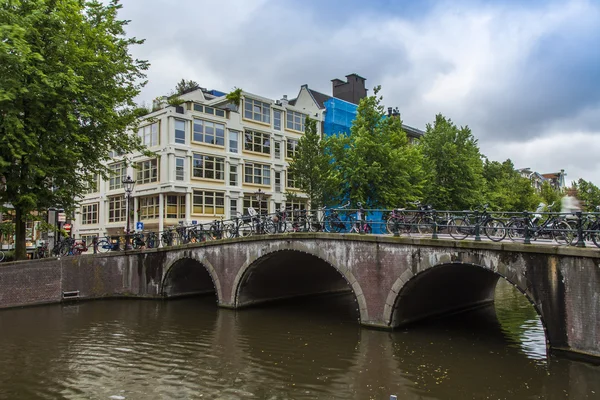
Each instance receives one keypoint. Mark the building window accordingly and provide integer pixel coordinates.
(148, 207)
(89, 214)
(116, 209)
(198, 107)
(234, 137)
(149, 135)
(209, 132)
(278, 182)
(116, 176)
(93, 186)
(278, 150)
(257, 111)
(147, 171)
(179, 131)
(208, 167)
(175, 207)
(115, 153)
(179, 168)
(209, 110)
(277, 120)
(259, 142)
(259, 174)
(296, 204)
(291, 180)
(291, 148)
(233, 175)
(232, 208)
(220, 113)
(262, 206)
(206, 202)
(295, 120)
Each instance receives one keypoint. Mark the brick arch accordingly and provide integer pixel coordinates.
(192, 255)
(500, 269)
(299, 247)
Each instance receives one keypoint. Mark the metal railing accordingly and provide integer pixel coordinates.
(568, 229)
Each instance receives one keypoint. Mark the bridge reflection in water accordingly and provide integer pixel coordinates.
(303, 348)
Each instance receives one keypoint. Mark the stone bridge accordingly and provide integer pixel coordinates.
(395, 281)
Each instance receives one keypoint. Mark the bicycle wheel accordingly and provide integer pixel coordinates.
(2, 256)
(494, 229)
(515, 230)
(104, 246)
(564, 233)
(245, 229)
(334, 225)
(459, 228)
(269, 226)
(392, 225)
(425, 225)
(594, 235)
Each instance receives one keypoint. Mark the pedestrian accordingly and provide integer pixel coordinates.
(569, 203)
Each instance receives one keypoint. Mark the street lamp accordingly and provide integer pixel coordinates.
(259, 194)
(128, 184)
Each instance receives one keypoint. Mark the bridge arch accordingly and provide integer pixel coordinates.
(192, 265)
(299, 253)
(470, 285)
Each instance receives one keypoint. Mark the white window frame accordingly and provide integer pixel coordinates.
(295, 120)
(201, 167)
(257, 110)
(178, 124)
(180, 168)
(257, 173)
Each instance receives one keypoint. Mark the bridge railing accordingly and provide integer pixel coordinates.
(569, 229)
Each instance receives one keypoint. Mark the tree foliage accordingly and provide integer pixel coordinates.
(375, 164)
(453, 166)
(311, 166)
(506, 189)
(67, 88)
(550, 196)
(588, 194)
(184, 86)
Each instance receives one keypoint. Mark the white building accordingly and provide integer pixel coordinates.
(210, 160)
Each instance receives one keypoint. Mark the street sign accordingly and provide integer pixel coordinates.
(62, 217)
(194, 222)
(139, 226)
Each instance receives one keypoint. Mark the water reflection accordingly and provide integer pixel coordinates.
(304, 349)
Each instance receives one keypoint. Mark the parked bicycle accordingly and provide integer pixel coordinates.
(333, 223)
(459, 227)
(553, 227)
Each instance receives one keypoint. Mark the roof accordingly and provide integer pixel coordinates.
(319, 97)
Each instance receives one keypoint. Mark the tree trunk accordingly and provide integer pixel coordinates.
(20, 235)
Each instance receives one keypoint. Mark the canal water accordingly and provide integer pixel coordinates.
(302, 349)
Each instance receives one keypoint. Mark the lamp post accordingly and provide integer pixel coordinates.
(128, 184)
(259, 194)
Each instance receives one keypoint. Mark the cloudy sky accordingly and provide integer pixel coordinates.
(523, 75)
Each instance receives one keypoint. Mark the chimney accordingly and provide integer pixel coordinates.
(159, 103)
(353, 90)
(284, 100)
(389, 111)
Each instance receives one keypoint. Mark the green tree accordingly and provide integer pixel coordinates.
(375, 164)
(311, 166)
(505, 189)
(588, 194)
(550, 196)
(184, 86)
(67, 88)
(453, 166)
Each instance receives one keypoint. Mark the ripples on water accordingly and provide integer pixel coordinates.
(305, 349)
